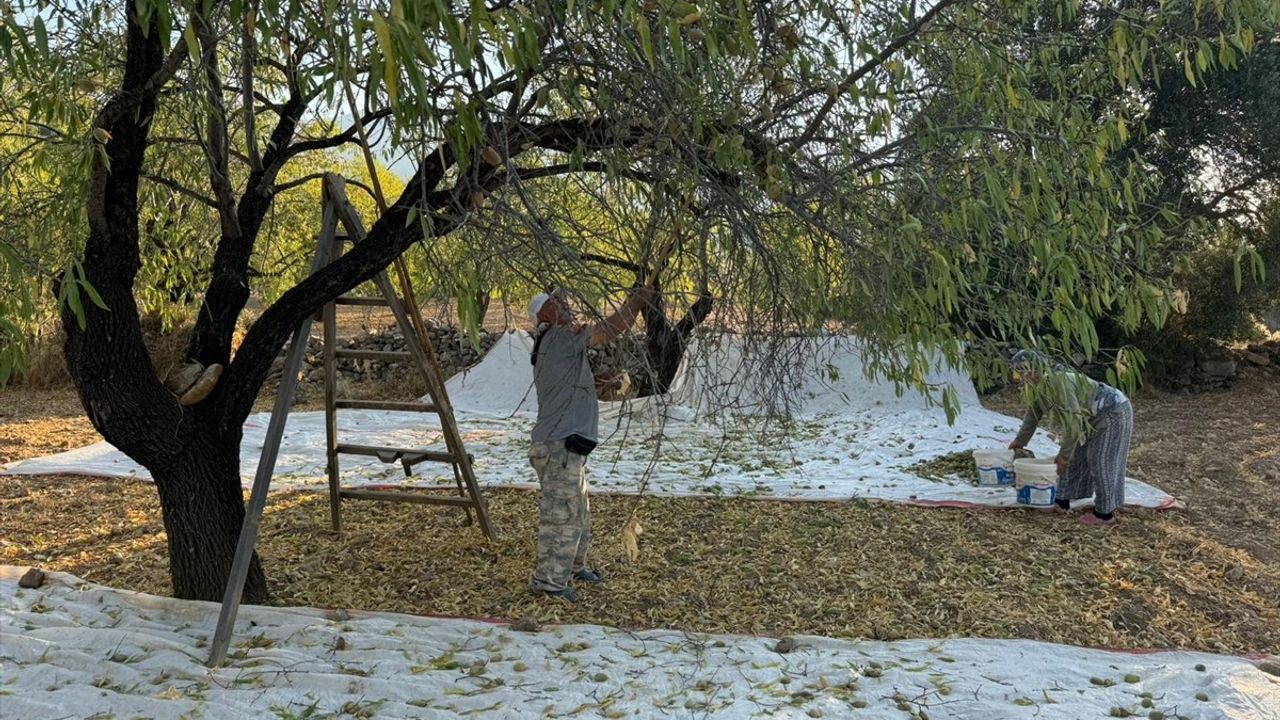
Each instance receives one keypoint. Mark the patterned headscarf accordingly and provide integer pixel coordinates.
(1032, 361)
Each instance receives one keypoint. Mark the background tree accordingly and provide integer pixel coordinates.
(783, 129)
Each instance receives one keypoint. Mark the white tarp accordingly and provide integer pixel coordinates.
(75, 650)
(850, 438)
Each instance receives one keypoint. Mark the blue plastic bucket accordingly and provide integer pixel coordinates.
(995, 466)
(1036, 480)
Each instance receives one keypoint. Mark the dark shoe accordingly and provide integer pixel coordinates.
(566, 594)
(588, 575)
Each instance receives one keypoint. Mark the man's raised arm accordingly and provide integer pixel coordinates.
(617, 323)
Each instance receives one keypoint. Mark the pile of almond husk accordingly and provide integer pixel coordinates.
(952, 466)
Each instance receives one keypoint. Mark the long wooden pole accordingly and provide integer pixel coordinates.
(267, 462)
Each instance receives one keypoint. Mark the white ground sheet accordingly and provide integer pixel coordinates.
(715, 434)
(75, 650)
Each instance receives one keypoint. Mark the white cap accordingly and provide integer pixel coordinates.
(536, 304)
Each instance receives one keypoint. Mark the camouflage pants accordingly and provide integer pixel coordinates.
(564, 515)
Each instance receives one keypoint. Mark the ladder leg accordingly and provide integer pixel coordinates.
(330, 415)
(482, 512)
(457, 476)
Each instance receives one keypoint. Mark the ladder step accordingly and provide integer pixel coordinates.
(385, 405)
(393, 454)
(358, 300)
(397, 496)
(383, 355)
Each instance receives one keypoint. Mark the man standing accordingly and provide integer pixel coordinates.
(566, 432)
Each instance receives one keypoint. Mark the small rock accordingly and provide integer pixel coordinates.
(341, 644)
(1256, 358)
(1219, 367)
(815, 712)
(786, 645)
(182, 377)
(526, 624)
(1270, 666)
(32, 579)
(203, 386)
(1235, 573)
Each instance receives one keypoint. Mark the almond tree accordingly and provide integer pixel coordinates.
(795, 132)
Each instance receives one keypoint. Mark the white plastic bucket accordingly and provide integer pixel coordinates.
(995, 466)
(1036, 480)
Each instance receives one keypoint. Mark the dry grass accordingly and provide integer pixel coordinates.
(1207, 578)
(854, 570)
(40, 422)
(46, 369)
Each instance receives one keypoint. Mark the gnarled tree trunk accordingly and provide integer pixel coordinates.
(203, 505)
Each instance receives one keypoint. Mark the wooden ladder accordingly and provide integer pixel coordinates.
(339, 211)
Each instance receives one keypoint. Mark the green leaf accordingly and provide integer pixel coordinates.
(390, 68)
(42, 36)
(646, 40)
(193, 45)
(94, 297)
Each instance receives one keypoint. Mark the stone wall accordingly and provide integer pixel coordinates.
(455, 353)
(1221, 371)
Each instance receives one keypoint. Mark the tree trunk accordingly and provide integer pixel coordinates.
(203, 506)
(666, 343)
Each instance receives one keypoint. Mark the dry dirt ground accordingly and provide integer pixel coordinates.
(1205, 578)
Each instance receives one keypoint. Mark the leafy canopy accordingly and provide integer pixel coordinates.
(939, 176)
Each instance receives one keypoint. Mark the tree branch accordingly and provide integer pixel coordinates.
(249, 52)
(591, 166)
(130, 98)
(346, 136)
(218, 140)
(282, 187)
(861, 71)
(612, 262)
(181, 189)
